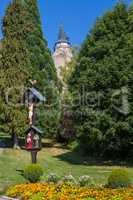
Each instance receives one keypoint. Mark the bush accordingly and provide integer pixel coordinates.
(73, 145)
(53, 178)
(33, 173)
(69, 179)
(119, 178)
(86, 181)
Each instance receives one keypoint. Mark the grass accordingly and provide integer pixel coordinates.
(53, 159)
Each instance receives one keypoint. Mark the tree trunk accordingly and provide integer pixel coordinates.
(15, 141)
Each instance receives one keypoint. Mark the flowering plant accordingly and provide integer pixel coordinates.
(67, 192)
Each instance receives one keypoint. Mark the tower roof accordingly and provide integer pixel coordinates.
(62, 37)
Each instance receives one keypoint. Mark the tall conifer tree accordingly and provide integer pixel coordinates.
(25, 56)
(41, 59)
(103, 80)
(14, 66)
(37, 44)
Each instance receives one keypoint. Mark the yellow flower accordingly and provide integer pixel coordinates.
(67, 192)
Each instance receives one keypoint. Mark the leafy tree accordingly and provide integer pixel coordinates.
(101, 86)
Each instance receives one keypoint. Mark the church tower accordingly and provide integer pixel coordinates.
(62, 52)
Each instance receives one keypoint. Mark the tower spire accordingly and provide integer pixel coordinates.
(62, 37)
(62, 52)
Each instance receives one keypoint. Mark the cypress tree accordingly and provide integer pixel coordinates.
(41, 58)
(25, 56)
(37, 44)
(14, 65)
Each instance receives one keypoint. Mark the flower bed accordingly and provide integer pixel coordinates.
(41, 191)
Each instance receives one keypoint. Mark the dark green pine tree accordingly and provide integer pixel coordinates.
(41, 59)
(29, 29)
(37, 44)
(25, 56)
(102, 86)
(14, 72)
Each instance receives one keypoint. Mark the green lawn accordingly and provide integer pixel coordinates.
(54, 160)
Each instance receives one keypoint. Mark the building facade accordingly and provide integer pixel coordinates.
(62, 52)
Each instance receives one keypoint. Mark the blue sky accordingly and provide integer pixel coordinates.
(77, 16)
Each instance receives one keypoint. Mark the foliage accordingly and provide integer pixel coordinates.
(69, 179)
(14, 70)
(49, 119)
(58, 160)
(85, 181)
(47, 78)
(68, 70)
(66, 129)
(67, 192)
(101, 86)
(53, 178)
(38, 45)
(119, 178)
(25, 56)
(74, 145)
(38, 196)
(33, 173)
